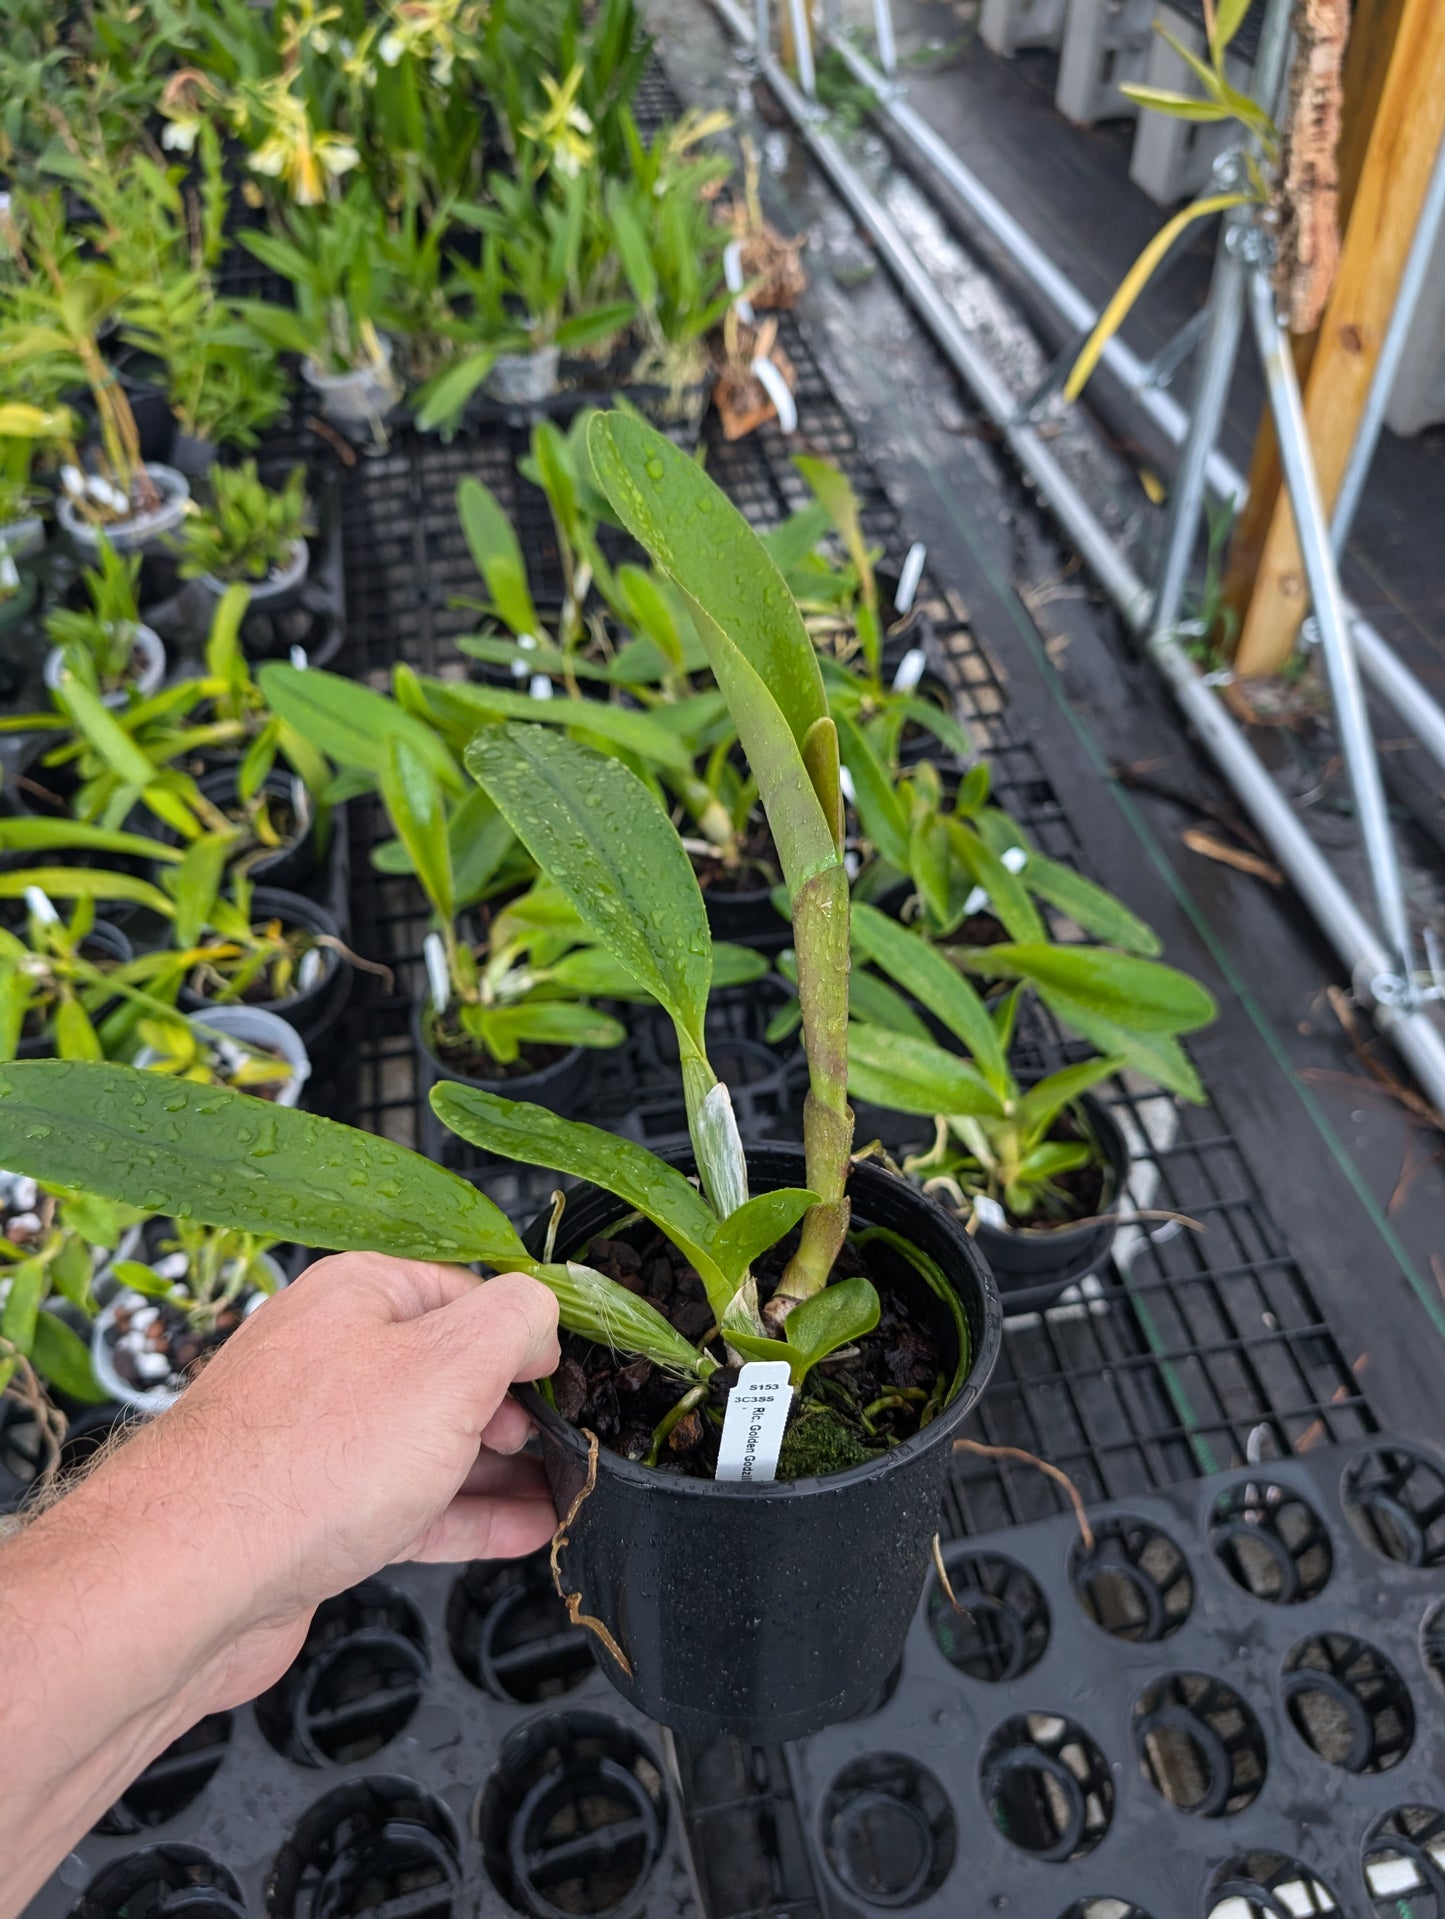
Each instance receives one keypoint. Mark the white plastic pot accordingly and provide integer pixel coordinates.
(152, 1399)
(359, 398)
(523, 379)
(254, 1026)
(147, 643)
(142, 530)
(21, 538)
(278, 583)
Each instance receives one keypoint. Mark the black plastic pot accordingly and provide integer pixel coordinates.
(314, 1011)
(292, 865)
(900, 633)
(114, 945)
(1033, 1265)
(559, 1087)
(922, 745)
(142, 381)
(769, 1611)
(747, 919)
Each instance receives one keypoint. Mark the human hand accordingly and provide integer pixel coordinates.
(358, 1417)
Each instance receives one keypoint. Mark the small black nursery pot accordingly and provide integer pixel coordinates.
(1034, 1264)
(315, 1008)
(560, 1085)
(293, 863)
(770, 1611)
(103, 945)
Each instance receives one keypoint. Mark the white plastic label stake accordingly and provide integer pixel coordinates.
(40, 907)
(910, 576)
(1015, 858)
(757, 1412)
(910, 670)
(737, 280)
(438, 978)
(540, 687)
(989, 1211)
(776, 388)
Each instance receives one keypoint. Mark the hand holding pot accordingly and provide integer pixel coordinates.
(359, 1417)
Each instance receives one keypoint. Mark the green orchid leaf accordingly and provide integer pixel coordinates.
(75, 1036)
(876, 1003)
(922, 971)
(105, 733)
(881, 812)
(1007, 892)
(496, 555)
(700, 540)
(757, 1346)
(515, 1129)
(455, 702)
(25, 835)
(413, 797)
(84, 883)
(1041, 1105)
(227, 1159)
(1157, 1055)
(553, 1023)
(62, 1358)
(22, 1303)
(479, 841)
(832, 1319)
(756, 1225)
(137, 1277)
(599, 1309)
(602, 838)
(914, 1076)
(349, 723)
(194, 885)
(1092, 908)
(1141, 995)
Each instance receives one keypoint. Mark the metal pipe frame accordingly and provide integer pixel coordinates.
(1389, 677)
(1352, 718)
(1358, 946)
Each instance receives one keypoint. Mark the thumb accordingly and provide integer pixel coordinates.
(501, 1330)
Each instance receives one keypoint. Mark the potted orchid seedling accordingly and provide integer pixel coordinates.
(829, 1298)
(106, 644)
(175, 1307)
(53, 307)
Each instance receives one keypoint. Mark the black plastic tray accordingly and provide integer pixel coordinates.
(1237, 1695)
(444, 1748)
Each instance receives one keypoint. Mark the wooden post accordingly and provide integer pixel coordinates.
(1394, 123)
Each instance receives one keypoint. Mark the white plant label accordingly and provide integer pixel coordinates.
(910, 670)
(40, 906)
(299, 659)
(540, 687)
(438, 978)
(989, 1211)
(910, 576)
(776, 388)
(1015, 858)
(737, 280)
(757, 1413)
(976, 902)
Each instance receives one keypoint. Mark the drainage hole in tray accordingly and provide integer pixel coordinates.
(1047, 1786)
(380, 1846)
(1348, 1703)
(1199, 1745)
(171, 1782)
(1405, 1864)
(355, 1683)
(573, 1817)
(509, 1633)
(888, 1831)
(1104, 1909)
(160, 1882)
(1395, 1500)
(1271, 1542)
(1000, 1625)
(1269, 1885)
(1134, 1582)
